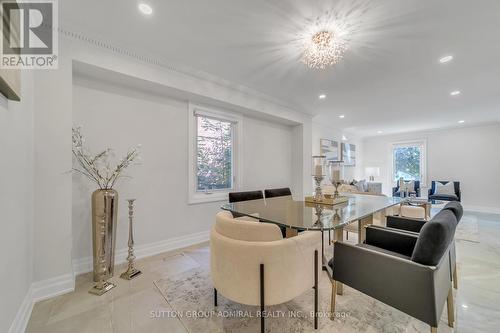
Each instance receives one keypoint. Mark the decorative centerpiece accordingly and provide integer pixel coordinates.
(98, 169)
(318, 173)
(334, 175)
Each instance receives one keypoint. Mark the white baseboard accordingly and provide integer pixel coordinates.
(53, 287)
(63, 284)
(482, 209)
(23, 313)
(84, 265)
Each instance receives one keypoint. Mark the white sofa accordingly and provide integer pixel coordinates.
(252, 264)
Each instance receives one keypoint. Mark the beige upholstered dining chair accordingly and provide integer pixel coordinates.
(252, 264)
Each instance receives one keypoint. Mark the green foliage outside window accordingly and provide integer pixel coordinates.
(407, 163)
(214, 154)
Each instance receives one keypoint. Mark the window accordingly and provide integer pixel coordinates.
(214, 154)
(213, 137)
(408, 161)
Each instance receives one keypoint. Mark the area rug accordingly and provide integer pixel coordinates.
(190, 295)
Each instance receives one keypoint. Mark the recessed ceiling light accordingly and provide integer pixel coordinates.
(344, 138)
(145, 8)
(446, 59)
(342, 116)
(380, 132)
(455, 93)
(465, 306)
(461, 121)
(322, 96)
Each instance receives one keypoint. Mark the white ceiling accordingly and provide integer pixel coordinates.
(390, 80)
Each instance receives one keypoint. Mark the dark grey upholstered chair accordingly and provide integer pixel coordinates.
(408, 271)
(277, 192)
(415, 225)
(395, 190)
(245, 196)
(456, 197)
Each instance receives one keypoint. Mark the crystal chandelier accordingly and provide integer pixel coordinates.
(325, 48)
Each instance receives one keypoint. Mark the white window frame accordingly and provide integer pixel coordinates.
(195, 196)
(423, 159)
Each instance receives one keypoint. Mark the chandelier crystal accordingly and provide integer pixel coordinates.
(324, 49)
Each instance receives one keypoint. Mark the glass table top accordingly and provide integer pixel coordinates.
(301, 215)
(420, 200)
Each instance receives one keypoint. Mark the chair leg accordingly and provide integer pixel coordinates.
(455, 277)
(262, 317)
(332, 304)
(316, 288)
(215, 297)
(451, 309)
(434, 329)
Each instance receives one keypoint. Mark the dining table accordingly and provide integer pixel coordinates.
(298, 215)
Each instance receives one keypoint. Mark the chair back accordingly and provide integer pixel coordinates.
(435, 238)
(277, 192)
(245, 230)
(456, 208)
(245, 196)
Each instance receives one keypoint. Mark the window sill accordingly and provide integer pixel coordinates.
(200, 198)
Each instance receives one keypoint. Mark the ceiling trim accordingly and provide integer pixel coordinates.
(182, 69)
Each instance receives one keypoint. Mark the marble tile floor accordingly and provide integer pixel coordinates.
(128, 307)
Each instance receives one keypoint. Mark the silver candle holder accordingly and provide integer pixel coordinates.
(335, 175)
(131, 272)
(318, 173)
(102, 285)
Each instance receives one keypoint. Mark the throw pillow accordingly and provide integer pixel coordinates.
(362, 186)
(445, 189)
(408, 186)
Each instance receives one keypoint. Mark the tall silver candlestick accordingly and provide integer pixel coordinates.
(102, 285)
(131, 272)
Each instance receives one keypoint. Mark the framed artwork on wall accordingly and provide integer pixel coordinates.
(330, 149)
(349, 154)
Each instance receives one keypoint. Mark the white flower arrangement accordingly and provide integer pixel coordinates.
(97, 167)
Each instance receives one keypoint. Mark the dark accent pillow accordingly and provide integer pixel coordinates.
(435, 238)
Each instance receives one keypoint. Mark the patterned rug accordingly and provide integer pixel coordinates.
(190, 295)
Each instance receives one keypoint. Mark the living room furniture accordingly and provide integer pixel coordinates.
(374, 187)
(252, 264)
(415, 225)
(410, 272)
(457, 196)
(277, 192)
(396, 190)
(410, 211)
(298, 216)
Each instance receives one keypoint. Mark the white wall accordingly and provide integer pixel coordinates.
(16, 201)
(117, 117)
(469, 155)
(321, 131)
